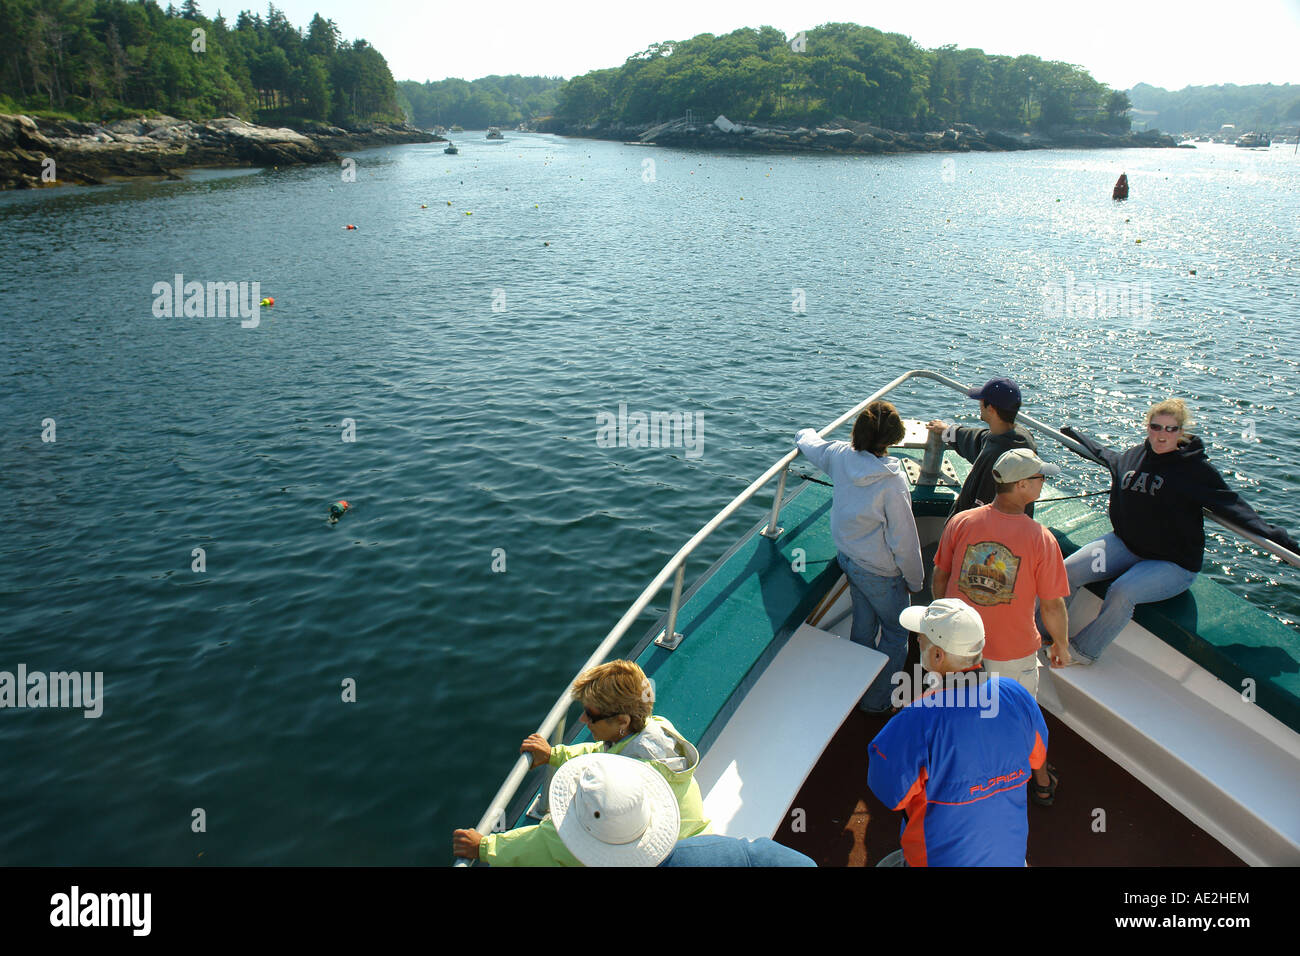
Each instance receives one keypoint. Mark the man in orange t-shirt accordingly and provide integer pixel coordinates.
(1001, 561)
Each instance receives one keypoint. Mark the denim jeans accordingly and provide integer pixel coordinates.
(877, 602)
(1137, 581)
(710, 849)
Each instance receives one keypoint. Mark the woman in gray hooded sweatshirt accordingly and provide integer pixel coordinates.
(874, 534)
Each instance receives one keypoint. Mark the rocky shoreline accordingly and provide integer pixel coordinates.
(158, 146)
(851, 137)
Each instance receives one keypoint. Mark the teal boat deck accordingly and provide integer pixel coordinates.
(741, 614)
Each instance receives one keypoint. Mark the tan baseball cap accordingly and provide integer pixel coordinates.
(1019, 464)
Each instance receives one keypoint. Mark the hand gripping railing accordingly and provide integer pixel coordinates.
(553, 723)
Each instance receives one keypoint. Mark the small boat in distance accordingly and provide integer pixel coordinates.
(1254, 140)
(451, 148)
(494, 133)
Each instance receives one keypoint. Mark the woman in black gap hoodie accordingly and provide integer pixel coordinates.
(1157, 491)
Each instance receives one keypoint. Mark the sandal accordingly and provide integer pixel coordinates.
(1044, 796)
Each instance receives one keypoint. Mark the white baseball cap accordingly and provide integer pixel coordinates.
(614, 811)
(950, 623)
(1019, 464)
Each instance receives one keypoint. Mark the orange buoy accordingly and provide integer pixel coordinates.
(349, 226)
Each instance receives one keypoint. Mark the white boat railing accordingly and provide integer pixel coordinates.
(552, 727)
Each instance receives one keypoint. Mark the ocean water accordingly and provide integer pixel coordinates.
(474, 356)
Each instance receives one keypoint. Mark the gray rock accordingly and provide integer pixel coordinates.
(1003, 140)
(89, 153)
(870, 144)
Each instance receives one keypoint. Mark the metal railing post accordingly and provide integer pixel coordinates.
(773, 529)
(932, 461)
(669, 639)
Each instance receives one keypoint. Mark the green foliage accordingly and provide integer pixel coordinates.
(478, 104)
(99, 59)
(843, 71)
(1204, 109)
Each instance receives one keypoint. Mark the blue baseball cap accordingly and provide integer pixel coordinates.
(998, 392)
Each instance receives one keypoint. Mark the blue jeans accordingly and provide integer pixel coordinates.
(1137, 581)
(877, 602)
(716, 850)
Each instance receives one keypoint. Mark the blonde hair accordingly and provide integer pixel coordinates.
(617, 687)
(1175, 407)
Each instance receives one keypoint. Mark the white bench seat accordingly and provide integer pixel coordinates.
(756, 766)
(1225, 763)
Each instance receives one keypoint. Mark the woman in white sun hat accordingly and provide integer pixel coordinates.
(616, 811)
(618, 703)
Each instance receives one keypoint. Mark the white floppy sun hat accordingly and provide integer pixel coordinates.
(614, 811)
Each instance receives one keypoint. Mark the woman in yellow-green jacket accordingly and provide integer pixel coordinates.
(618, 703)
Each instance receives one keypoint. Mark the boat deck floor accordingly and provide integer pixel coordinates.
(846, 825)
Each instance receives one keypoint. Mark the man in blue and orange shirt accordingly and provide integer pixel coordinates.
(956, 759)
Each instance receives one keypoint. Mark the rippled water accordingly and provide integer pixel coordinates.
(476, 431)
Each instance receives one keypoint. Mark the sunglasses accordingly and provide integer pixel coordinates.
(1164, 428)
(593, 718)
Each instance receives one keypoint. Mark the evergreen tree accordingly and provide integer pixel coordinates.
(100, 59)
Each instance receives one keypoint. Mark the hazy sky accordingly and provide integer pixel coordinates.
(1169, 43)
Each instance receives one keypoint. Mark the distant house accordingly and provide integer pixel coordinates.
(1142, 118)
